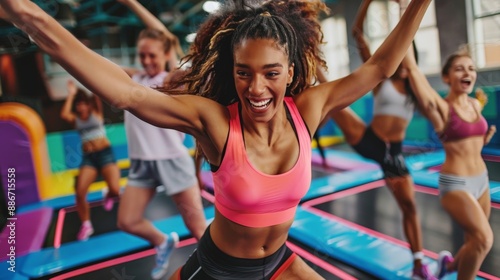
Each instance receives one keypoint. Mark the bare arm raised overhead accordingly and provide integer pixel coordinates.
(66, 113)
(381, 65)
(154, 23)
(106, 79)
(358, 31)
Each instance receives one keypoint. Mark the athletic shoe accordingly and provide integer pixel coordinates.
(163, 253)
(86, 230)
(108, 203)
(444, 259)
(423, 273)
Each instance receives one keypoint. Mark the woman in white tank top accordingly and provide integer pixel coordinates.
(158, 156)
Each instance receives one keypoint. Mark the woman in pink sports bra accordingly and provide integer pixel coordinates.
(248, 101)
(463, 181)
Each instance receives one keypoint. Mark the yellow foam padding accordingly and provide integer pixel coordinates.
(33, 126)
(63, 183)
(327, 141)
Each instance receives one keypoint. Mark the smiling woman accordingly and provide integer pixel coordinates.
(463, 181)
(260, 80)
(255, 131)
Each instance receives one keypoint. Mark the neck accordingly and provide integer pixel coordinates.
(266, 131)
(458, 98)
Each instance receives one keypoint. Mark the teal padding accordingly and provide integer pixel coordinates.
(425, 160)
(98, 248)
(189, 142)
(341, 181)
(72, 149)
(490, 110)
(343, 155)
(378, 257)
(495, 191)
(116, 134)
(367, 252)
(426, 178)
(6, 274)
(120, 151)
(56, 154)
(494, 151)
(61, 202)
(417, 129)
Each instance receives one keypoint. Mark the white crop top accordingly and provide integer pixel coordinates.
(389, 102)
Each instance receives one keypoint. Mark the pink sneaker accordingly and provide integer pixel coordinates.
(422, 274)
(108, 203)
(444, 259)
(86, 230)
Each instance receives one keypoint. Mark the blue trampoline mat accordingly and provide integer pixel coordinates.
(101, 247)
(377, 256)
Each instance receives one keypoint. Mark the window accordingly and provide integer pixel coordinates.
(335, 49)
(485, 32)
(383, 16)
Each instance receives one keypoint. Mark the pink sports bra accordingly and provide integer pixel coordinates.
(251, 198)
(458, 129)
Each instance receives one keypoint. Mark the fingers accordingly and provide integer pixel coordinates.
(493, 129)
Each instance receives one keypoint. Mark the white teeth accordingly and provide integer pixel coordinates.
(260, 103)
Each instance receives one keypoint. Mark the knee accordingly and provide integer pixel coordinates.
(126, 224)
(483, 240)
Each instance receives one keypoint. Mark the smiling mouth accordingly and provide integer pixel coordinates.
(466, 82)
(260, 105)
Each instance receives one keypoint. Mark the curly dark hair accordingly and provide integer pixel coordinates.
(292, 24)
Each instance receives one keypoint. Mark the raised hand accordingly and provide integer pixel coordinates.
(491, 131)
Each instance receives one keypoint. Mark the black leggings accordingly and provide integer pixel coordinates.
(388, 155)
(209, 263)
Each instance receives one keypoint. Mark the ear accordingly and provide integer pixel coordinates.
(290, 73)
(446, 79)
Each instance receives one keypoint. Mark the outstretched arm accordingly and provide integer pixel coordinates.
(358, 31)
(338, 94)
(98, 106)
(66, 113)
(105, 78)
(154, 23)
(429, 101)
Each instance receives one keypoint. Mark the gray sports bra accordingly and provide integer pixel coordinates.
(389, 102)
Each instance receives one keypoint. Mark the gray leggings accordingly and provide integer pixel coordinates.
(475, 185)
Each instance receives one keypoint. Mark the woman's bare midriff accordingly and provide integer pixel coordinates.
(246, 242)
(389, 128)
(463, 157)
(95, 145)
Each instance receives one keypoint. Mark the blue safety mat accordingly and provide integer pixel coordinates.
(425, 160)
(61, 202)
(430, 179)
(6, 274)
(415, 162)
(366, 252)
(341, 181)
(100, 247)
(494, 151)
